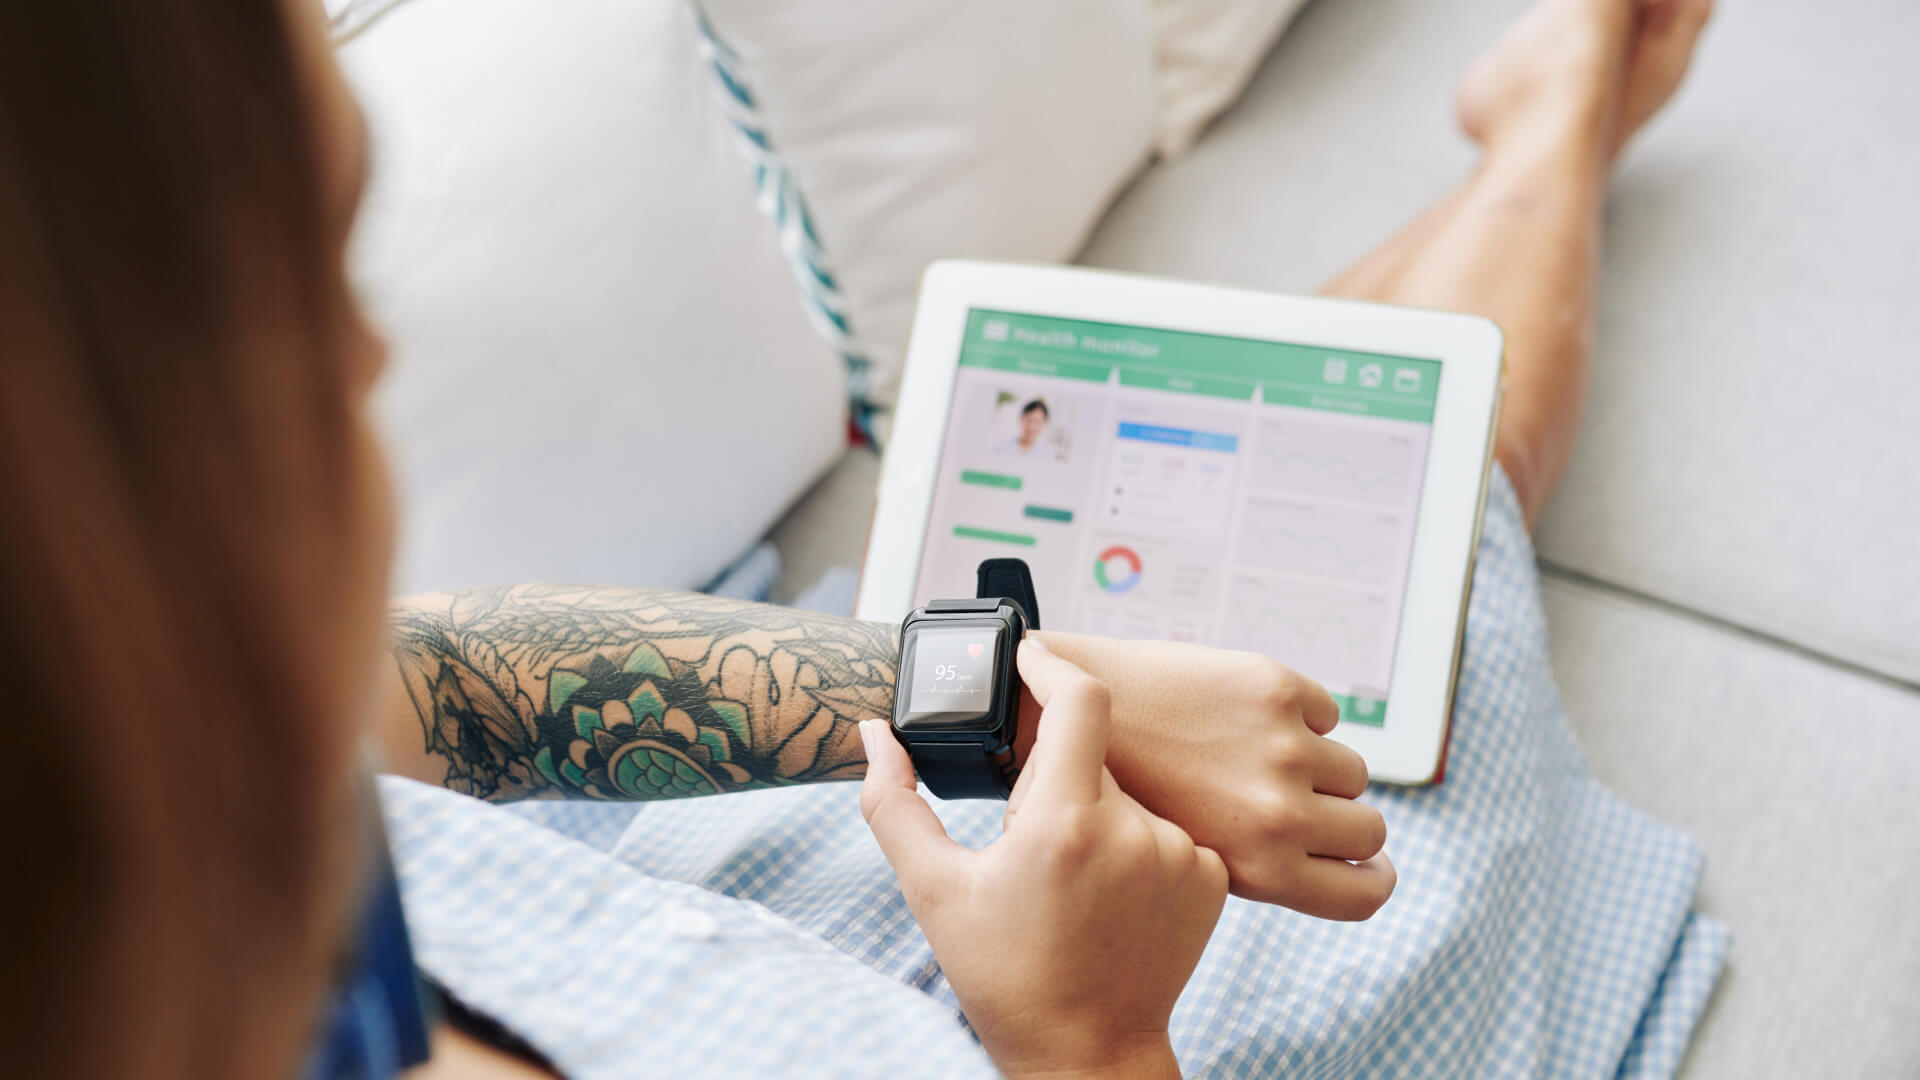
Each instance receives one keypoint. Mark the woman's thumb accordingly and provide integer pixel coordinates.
(910, 835)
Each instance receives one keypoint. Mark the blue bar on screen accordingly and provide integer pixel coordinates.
(1199, 440)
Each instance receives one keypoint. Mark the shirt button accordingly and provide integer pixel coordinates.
(691, 924)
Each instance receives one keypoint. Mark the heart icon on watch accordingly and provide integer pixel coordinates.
(974, 650)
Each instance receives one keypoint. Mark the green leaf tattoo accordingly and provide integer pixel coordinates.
(642, 694)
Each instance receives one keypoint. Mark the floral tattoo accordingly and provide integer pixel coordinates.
(577, 692)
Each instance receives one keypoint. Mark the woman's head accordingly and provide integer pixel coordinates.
(1033, 421)
(194, 555)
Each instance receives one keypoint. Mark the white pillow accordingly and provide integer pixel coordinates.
(601, 371)
(1204, 53)
(922, 129)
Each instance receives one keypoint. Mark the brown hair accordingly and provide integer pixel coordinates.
(172, 404)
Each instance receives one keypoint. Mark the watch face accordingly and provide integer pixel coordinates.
(950, 684)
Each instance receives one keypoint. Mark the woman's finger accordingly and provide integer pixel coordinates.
(1337, 889)
(1213, 870)
(1070, 744)
(1344, 829)
(1338, 769)
(1021, 785)
(1318, 708)
(927, 861)
(1170, 838)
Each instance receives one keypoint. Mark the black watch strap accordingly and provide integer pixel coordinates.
(1009, 578)
(961, 771)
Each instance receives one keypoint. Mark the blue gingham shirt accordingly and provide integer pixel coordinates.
(1542, 927)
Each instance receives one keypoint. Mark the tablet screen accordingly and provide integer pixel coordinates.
(1254, 495)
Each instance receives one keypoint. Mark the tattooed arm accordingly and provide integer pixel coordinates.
(602, 693)
(544, 691)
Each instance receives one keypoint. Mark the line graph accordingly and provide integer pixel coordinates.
(1344, 543)
(1332, 463)
(1342, 459)
(1336, 635)
(1326, 631)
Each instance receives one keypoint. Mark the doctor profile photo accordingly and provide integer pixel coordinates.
(1034, 418)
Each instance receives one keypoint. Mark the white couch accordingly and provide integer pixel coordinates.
(1733, 564)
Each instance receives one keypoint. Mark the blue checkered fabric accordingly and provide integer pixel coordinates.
(1542, 927)
(611, 973)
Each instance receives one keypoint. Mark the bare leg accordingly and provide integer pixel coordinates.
(1552, 103)
(1375, 273)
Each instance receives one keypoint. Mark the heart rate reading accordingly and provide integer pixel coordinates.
(952, 671)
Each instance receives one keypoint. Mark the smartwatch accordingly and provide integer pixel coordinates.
(956, 699)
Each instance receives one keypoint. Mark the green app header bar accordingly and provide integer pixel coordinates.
(1336, 380)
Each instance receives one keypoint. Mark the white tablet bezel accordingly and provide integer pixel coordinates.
(1408, 748)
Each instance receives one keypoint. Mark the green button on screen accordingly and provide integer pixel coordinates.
(990, 479)
(1361, 710)
(1049, 513)
(971, 533)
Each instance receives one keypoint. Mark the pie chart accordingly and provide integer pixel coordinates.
(1117, 569)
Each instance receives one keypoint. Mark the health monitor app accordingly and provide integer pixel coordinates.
(1166, 485)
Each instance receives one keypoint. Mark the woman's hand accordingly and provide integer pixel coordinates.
(1068, 939)
(1231, 746)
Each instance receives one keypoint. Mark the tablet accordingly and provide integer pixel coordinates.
(1301, 478)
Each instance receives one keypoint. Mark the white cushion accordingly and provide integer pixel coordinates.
(922, 129)
(1204, 51)
(601, 371)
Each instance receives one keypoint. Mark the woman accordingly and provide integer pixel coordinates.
(199, 517)
(195, 565)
